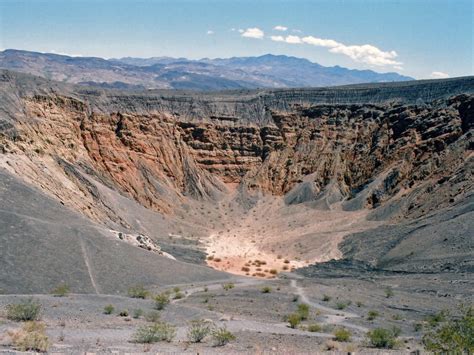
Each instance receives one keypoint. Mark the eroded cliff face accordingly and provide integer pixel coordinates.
(244, 177)
(338, 152)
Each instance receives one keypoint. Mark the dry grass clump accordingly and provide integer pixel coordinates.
(26, 311)
(138, 292)
(31, 337)
(273, 271)
(221, 336)
(245, 269)
(159, 331)
(61, 290)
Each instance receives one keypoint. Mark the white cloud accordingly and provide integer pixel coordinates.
(277, 38)
(210, 32)
(293, 39)
(398, 67)
(439, 75)
(63, 53)
(366, 53)
(329, 43)
(241, 30)
(280, 28)
(253, 32)
(296, 31)
(288, 39)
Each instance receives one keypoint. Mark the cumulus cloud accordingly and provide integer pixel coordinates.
(288, 39)
(253, 32)
(366, 53)
(439, 75)
(210, 32)
(277, 38)
(280, 28)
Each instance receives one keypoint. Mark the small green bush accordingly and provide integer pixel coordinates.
(434, 319)
(314, 328)
(161, 300)
(109, 309)
(453, 334)
(383, 338)
(342, 334)
(294, 319)
(417, 327)
(228, 286)
(176, 289)
(359, 304)
(388, 292)
(32, 337)
(371, 315)
(25, 311)
(221, 336)
(266, 289)
(61, 290)
(137, 313)
(198, 330)
(123, 313)
(295, 298)
(156, 332)
(326, 298)
(341, 305)
(178, 296)
(138, 292)
(152, 316)
(303, 311)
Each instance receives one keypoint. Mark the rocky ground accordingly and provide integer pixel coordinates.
(76, 323)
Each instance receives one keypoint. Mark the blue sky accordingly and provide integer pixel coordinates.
(420, 38)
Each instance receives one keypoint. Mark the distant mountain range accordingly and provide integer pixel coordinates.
(267, 71)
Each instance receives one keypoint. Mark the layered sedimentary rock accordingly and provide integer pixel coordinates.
(256, 173)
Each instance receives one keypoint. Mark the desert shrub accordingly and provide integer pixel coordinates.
(152, 316)
(161, 300)
(245, 268)
(303, 311)
(383, 338)
(341, 305)
(295, 298)
(417, 327)
(221, 336)
(26, 311)
(228, 286)
(31, 337)
(178, 295)
(198, 330)
(359, 304)
(294, 319)
(273, 271)
(454, 335)
(138, 292)
(388, 292)
(314, 328)
(434, 319)
(342, 334)
(61, 290)
(266, 289)
(109, 309)
(137, 313)
(176, 289)
(159, 331)
(123, 313)
(371, 315)
(326, 298)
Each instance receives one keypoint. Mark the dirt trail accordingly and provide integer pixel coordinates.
(337, 317)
